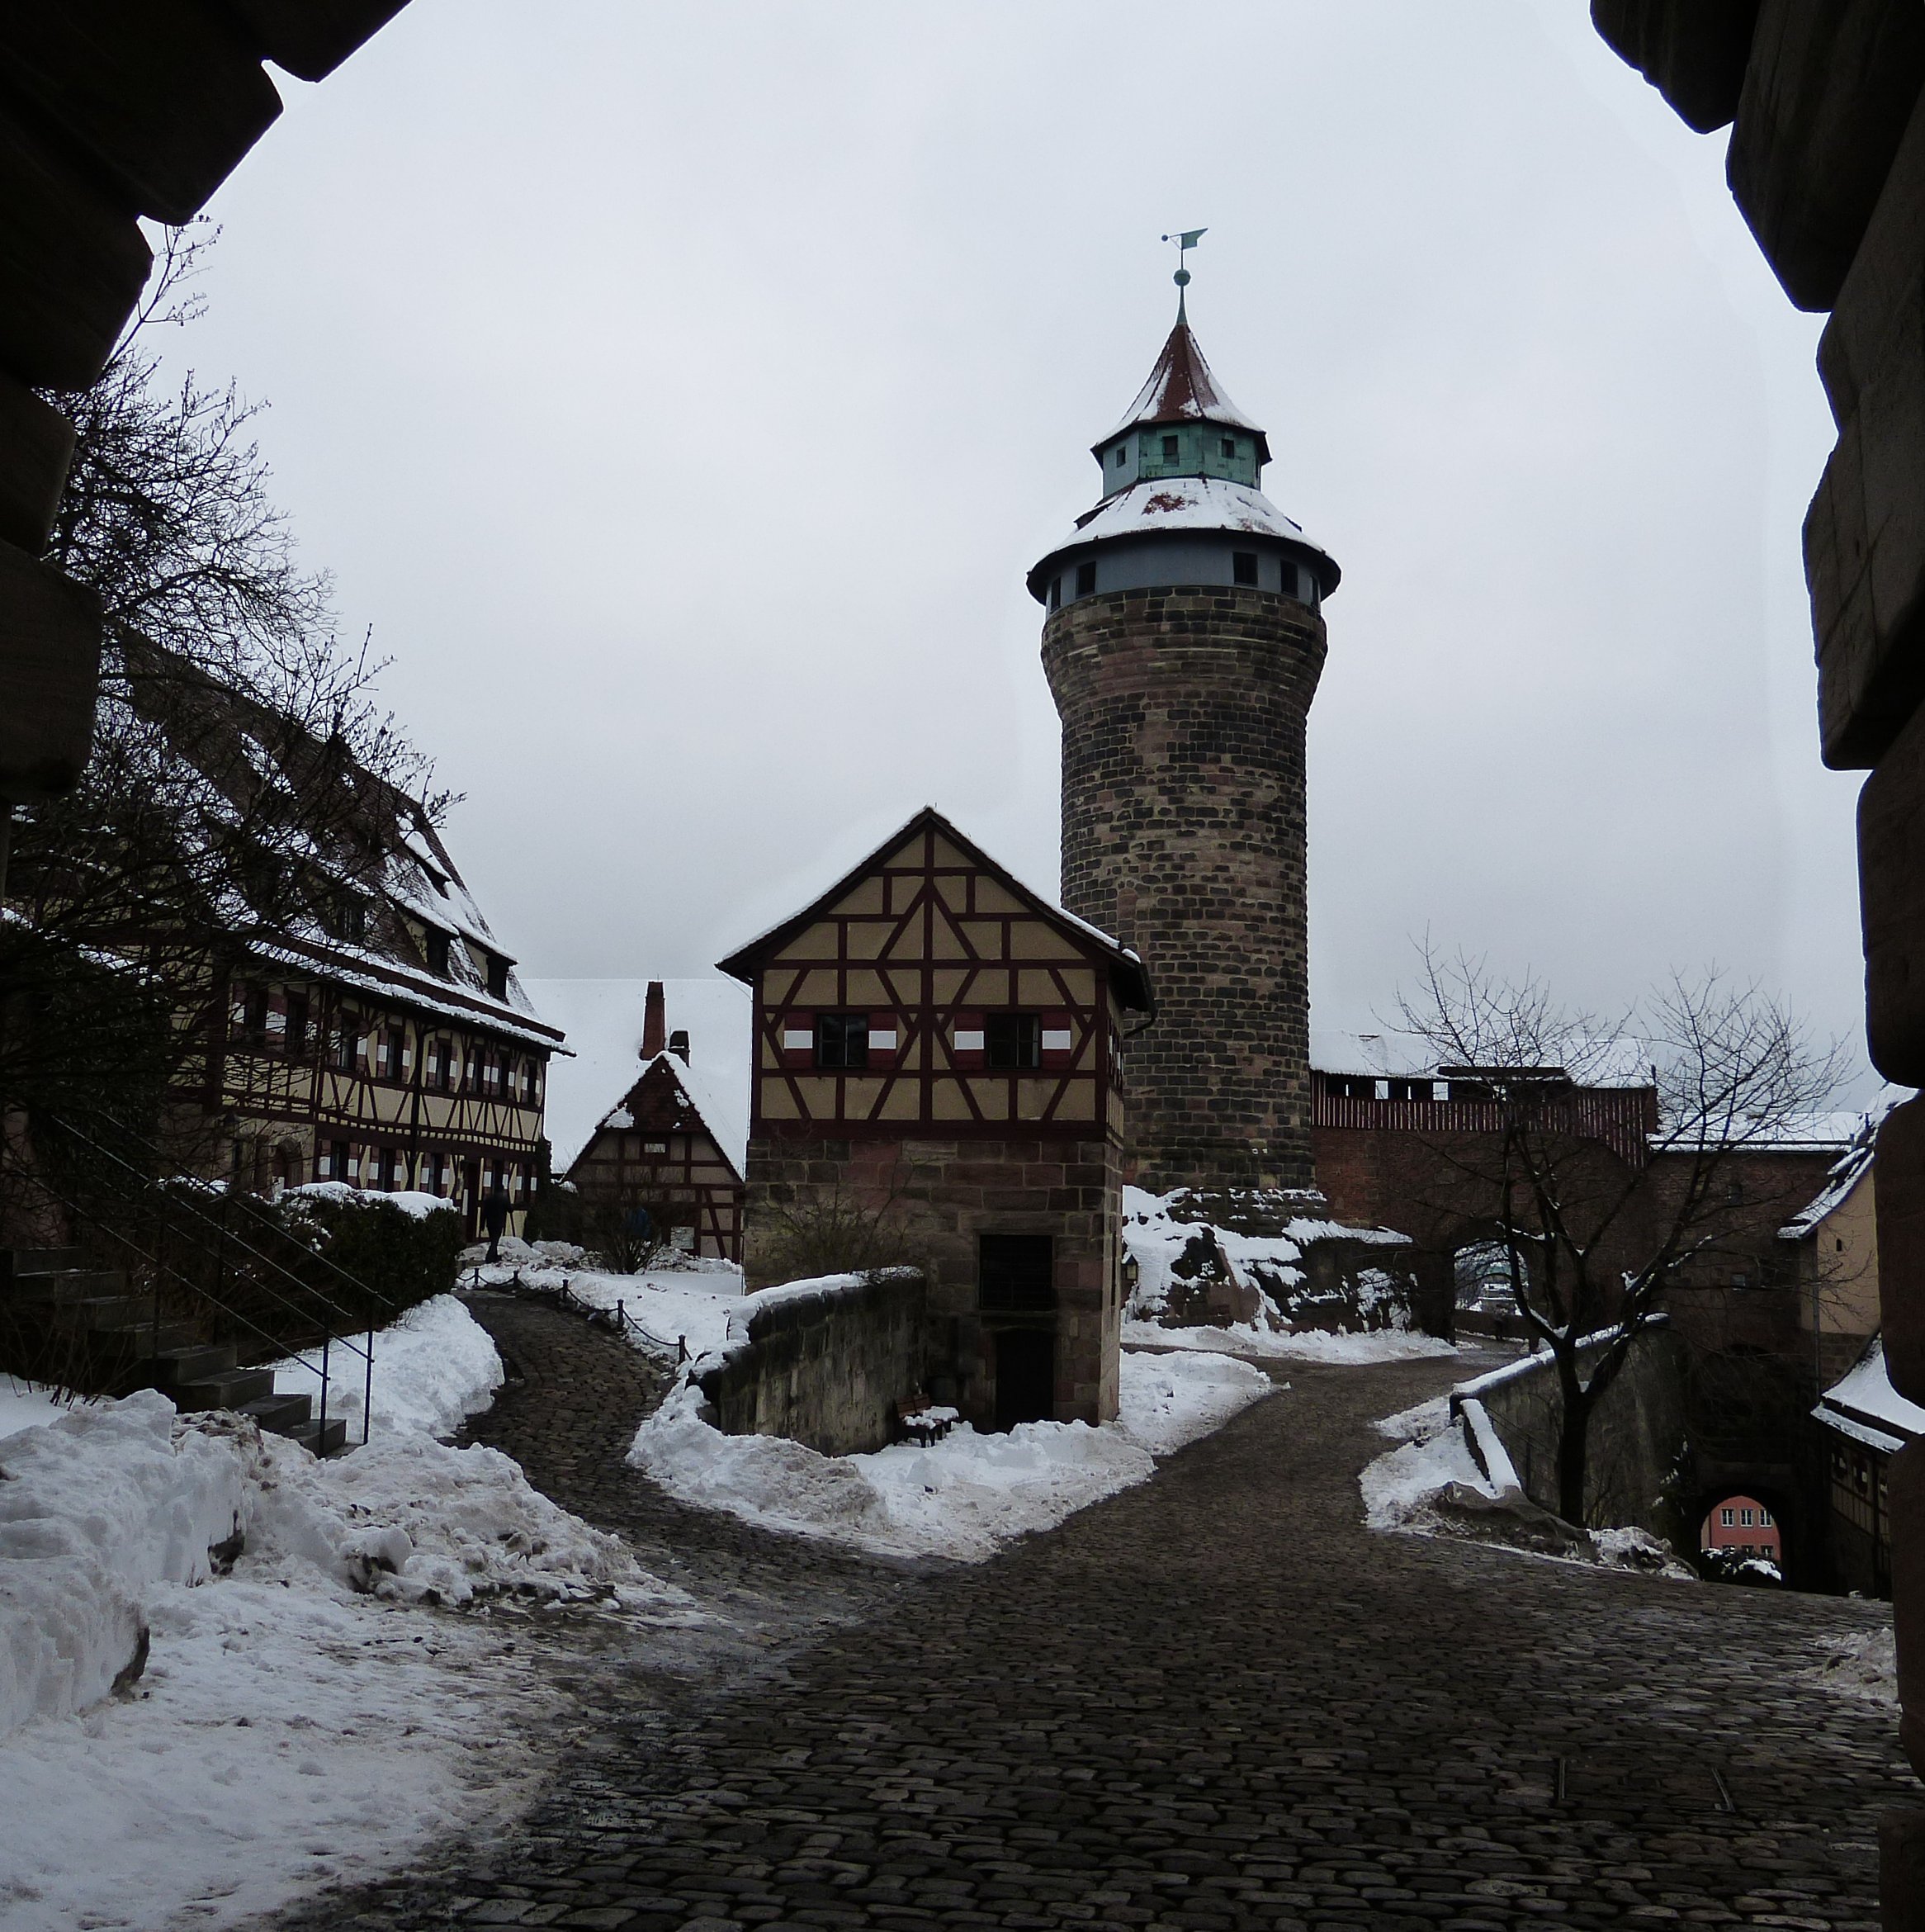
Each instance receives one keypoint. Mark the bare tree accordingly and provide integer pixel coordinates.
(244, 784)
(1593, 1240)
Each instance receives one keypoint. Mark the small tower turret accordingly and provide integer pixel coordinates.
(1183, 647)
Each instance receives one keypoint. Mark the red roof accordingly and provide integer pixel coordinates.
(1182, 389)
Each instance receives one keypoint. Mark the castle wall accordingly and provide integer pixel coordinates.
(1183, 836)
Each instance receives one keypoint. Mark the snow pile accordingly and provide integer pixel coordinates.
(432, 1369)
(96, 1508)
(963, 1497)
(1237, 1264)
(26, 1405)
(1298, 1345)
(1861, 1664)
(1452, 1476)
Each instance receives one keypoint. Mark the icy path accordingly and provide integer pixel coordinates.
(1216, 1700)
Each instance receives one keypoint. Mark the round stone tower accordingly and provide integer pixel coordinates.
(1183, 647)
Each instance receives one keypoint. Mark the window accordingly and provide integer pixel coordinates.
(1122, 454)
(842, 1041)
(1229, 446)
(1764, 1519)
(1744, 1518)
(1085, 579)
(341, 1041)
(1169, 449)
(1243, 567)
(351, 918)
(497, 977)
(435, 946)
(1725, 1517)
(655, 1147)
(1013, 1040)
(296, 1024)
(1056, 592)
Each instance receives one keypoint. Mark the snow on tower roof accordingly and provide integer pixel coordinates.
(1182, 389)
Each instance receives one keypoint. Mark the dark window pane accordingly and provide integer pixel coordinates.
(1085, 579)
(1013, 1040)
(1169, 449)
(1229, 446)
(1243, 567)
(1017, 1273)
(842, 1040)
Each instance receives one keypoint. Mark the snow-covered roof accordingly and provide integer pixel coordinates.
(1864, 1405)
(1161, 504)
(1820, 1132)
(1608, 1063)
(1846, 1172)
(1182, 389)
(603, 1019)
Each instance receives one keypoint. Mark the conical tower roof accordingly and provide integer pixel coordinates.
(1182, 389)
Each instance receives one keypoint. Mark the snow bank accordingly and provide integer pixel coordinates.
(97, 1505)
(1436, 1482)
(1300, 1345)
(963, 1497)
(415, 1204)
(1862, 1664)
(26, 1405)
(432, 1369)
(690, 1304)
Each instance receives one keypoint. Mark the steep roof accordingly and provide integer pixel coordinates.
(1865, 1407)
(1182, 389)
(1128, 975)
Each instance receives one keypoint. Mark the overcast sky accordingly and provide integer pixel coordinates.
(681, 392)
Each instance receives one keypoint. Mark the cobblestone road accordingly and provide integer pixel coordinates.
(1213, 1701)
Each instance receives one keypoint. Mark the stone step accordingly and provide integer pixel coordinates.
(70, 1284)
(185, 1360)
(16, 1262)
(281, 1415)
(309, 1435)
(119, 1311)
(229, 1389)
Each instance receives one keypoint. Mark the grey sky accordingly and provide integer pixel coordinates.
(682, 391)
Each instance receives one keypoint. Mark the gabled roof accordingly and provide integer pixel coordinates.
(664, 1090)
(1126, 973)
(1865, 1407)
(1840, 1184)
(1182, 389)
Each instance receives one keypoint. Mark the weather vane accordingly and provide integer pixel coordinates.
(1184, 241)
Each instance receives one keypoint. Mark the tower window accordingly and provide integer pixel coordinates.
(1122, 454)
(1169, 449)
(1229, 446)
(1085, 579)
(1056, 592)
(1243, 567)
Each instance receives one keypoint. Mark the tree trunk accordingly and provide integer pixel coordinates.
(1573, 1443)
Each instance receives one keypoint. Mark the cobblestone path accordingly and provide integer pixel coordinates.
(1213, 1701)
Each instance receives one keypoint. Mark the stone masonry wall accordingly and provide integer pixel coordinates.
(825, 1368)
(937, 1197)
(1636, 1430)
(1183, 834)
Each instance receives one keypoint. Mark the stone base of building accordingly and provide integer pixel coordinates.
(1018, 1240)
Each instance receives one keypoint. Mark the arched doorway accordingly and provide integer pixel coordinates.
(1741, 1539)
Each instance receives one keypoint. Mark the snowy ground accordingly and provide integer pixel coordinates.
(308, 1716)
(1300, 1345)
(1864, 1665)
(26, 1405)
(963, 1497)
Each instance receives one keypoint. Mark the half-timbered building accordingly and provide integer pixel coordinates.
(395, 1051)
(662, 1148)
(939, 1047)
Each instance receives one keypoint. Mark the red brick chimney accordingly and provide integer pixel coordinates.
(655, 1025)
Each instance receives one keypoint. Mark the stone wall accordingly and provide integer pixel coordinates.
(1636, 1430)
(824, 1363)
(932, 1200)
(1183, 835)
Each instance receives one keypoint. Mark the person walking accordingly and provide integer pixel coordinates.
(494, 1218)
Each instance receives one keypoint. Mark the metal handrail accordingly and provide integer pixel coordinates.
(187, 1201)
(163, 1267)
(617, 1318)
(147, 1182)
